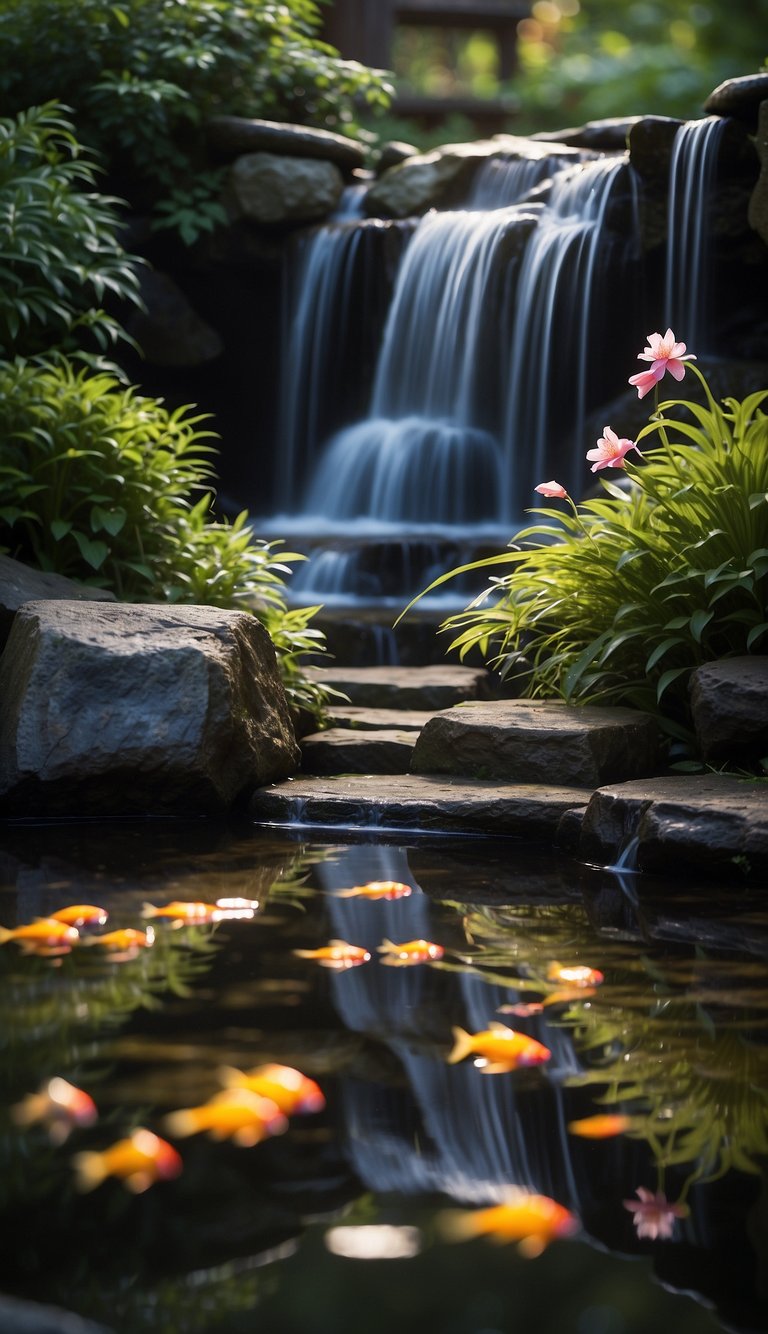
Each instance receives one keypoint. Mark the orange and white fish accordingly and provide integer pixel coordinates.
(236, 907)
(408, 952)
(189, 914)
(138, 1161)
(499, 1049)
(44, 931)
(533, 1221)
(235, 1113)
(81, 914)
(289, 1089)
(124, 943)
(336, 954)
(57, 1104)
(575, 975)
(376, 889)
(603, 1125)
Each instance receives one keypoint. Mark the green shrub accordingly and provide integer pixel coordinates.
(59, 256)
(619, 598)
(106, 486)
(144, 75)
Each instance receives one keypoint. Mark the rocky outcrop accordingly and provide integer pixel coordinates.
(425, 688)
(20, 583)
(740, 97)
(271, 190)
(231, 136)
(150, 710)
(729, 706)
(712, 825)
(537, 741)
(343, 750)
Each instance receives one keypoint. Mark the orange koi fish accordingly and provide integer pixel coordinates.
(124, 943)
(376, 889)
(408, 952)
(499, 1049)
(189, 914)
(337, 954)
(235, 1113)
(137, 1161)
(533, 1221)
(522, 1009)
(289, 1089)
(576, 975)
(44, 931)
(57, 1104)
(81, 914)
(601, 1126)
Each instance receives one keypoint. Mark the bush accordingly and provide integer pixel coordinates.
(619, 598)
(106, 486)
(143, 76)
(59, 257)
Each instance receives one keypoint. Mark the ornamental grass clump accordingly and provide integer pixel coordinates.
(617, 599)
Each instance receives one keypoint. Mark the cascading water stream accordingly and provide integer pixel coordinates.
(692, 173)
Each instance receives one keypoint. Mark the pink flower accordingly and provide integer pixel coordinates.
(654, 1216)
(552, 490)
(665, 355)
(610, 450)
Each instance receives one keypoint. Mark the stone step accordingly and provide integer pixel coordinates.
(372, 720)
(419, 802)
(425, 688)
(533, 741)
(345, 750)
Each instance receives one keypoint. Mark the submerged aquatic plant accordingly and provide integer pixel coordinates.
(620, 597)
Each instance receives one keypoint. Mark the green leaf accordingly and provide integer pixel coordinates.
(60, 528)
(93, 552)
(699, 622)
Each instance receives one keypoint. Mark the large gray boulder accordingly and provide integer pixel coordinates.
(538, 741)
(729, 705)
(131, 709)
(270, 189)
(21, 583)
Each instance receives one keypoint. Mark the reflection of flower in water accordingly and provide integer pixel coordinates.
(653, 1215)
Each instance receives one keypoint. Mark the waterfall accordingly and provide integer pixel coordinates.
(691, 178)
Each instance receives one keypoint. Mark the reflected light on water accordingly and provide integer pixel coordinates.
(375, 1242)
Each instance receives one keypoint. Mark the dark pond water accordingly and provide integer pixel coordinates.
(351, 1218)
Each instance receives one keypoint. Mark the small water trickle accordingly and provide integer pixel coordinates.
(626, 861)
(692, 174)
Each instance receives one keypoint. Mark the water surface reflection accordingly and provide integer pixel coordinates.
(673, 1038)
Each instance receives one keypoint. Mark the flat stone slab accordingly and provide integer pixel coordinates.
(729, 705)
(229, 136)
(709, 824)
(415, 802)
(21, 583)
(372, 720)
(425, 688)
(342, 750)
(535, 741)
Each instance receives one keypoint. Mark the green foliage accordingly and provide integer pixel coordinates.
(193, 209)
(620, 598)
(144, 75)
(59, 257)
(109, 487)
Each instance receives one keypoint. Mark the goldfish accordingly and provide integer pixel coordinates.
(191, 914)
(124, 943)
(409, 952)
(601, 1125)
(565, 995)
(44, 931)
(577, 975)
(289, 1089)
(139, 1160)
(237, 907)
(59, 1105)
(81, 914)
(523, 1009)
(337, 954)
(235, 1113)
(500, 1049)
(376, 889)
(533, 1221)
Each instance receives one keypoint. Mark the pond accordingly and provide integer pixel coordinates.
(368, 1206)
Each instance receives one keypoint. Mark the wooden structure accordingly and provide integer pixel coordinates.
(364, 30)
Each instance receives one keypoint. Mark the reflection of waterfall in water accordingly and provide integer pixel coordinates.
(451, 1129)
(689, 226)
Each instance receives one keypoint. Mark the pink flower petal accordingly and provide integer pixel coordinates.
(552, 489)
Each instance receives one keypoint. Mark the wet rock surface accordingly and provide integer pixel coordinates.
(417, 802)
(230, 136)
(271, 189)
(711, 824)
(729, 704)
(342, 750)
(537, 742)
(424, 688)
(138, 709)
